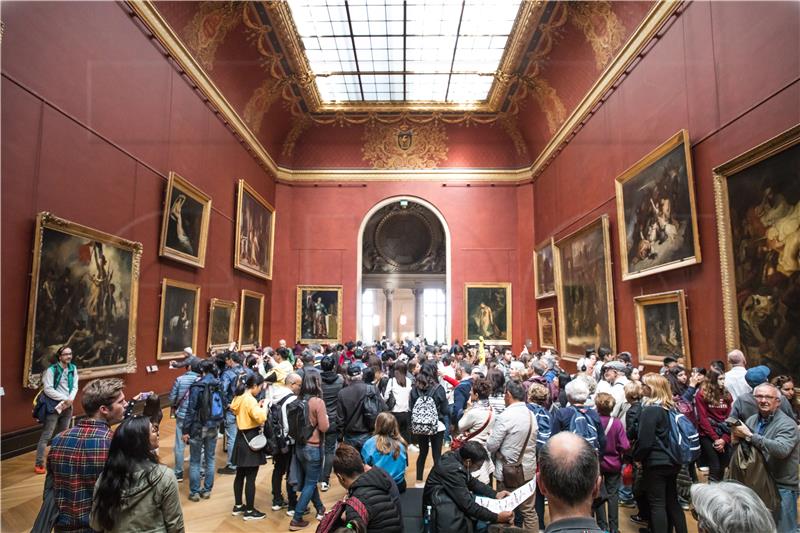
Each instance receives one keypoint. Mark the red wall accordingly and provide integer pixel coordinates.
(93, 120)
(727, 72)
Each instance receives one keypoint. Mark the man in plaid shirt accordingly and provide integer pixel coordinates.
(77, 456)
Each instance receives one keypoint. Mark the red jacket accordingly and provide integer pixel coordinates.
(716, 413)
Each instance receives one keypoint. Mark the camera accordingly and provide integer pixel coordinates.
(732, 422)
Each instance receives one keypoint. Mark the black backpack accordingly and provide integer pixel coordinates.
(374, 405)
(241, 377)
(300, 428)
(277, 441)
(210, 405)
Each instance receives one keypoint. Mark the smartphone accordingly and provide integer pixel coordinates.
(144, 395)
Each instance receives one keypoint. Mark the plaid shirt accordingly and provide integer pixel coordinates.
(76, 459)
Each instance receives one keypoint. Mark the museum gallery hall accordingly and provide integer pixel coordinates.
(540, 176)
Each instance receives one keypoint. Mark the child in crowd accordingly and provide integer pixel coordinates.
(610, 461)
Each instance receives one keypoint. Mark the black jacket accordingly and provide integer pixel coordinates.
(449, 492)
(653, 439)
(632, 422)
(332, 383)
(438, 395)
(378, 492)
(350, 409)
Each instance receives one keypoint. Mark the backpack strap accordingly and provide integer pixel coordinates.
(359, 508)
(608, 426)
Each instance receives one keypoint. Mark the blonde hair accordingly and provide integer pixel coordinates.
(633, 391)
(604, 403)
(660, 391)
(388, 436)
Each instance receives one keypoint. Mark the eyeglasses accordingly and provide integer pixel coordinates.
(764, 397)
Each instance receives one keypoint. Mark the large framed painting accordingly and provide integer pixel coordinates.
(221, 323)
(251, 316)
(184, 227)
(544, 270)
(487, 312)
(758, 219)
(585, 290)
(84, 290)
(177, 323)
(656, 211)
(661, 327)
(319, 314)
(255, 232)
(547, 328)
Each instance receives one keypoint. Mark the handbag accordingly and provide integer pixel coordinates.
(258, 442)
(459, 441)
(747, 466)
(513, 473)
(390, 401)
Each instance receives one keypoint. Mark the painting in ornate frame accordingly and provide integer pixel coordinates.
(251, 317)
(546, 322)
(84, 292)
(178, 318)
(544, 270)
(757, 197)
(487, 312)
(221, 323)
(661, 327)
(255, 232)
(656, 211)
(319, 314)
(184, 225)
(585, 289)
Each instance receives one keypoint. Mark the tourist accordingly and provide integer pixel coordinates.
(59, 387)
(199, 429)
(729, 507)
(713, 404)
(332, 383)
(428, 405)
(610, 461)
(387, 449)
(477, 422)
(250, 417)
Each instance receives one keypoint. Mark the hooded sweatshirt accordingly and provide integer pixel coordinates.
(332, 383)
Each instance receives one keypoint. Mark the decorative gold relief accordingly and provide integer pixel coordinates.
(301, 124)
(208, 28)
(510, 125)
(549, 102)
(405, 145)
(260, 102)
(601, 27)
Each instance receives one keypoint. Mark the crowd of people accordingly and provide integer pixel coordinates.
(604, 436)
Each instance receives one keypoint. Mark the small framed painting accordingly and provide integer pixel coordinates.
(319, 314)
(488, 312)
(184, 227)
(251, 316)
(255, 232)
(221, 322)
(547, 328)
(661, 327)
(177, 324)
(544, 270)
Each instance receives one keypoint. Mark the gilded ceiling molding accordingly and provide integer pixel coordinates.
(260, 102)
(510, 125)
(208, 28)
(601, 27)
(404, 145)
(300, 125)
(548, 100)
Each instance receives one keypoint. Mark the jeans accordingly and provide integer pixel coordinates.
(661, 484)
(611, 521)
(539, 505)
(53, 425)
(448, 416)
(357, 441)
(435, 442)
(179, 447)
(206, 444)
(330, 450)
(787, 519)
(281, 468)
(230, 435)
(310, 458)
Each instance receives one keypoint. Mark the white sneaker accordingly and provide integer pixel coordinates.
(414, 448)
(324, 487)
(419, 485)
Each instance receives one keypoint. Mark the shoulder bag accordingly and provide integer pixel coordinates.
(513, 473)
(459, 441)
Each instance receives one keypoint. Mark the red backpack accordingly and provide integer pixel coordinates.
(333, 518)
(685, 408)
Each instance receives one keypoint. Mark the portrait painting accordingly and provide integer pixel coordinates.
(255, 232)
(758, 219)
(656, 211)
(488, 312)
(84, 290)
(544, 270)
(547, 328)
(319, 311)
(177, 324)
(585, 290)
(184, 226)
(251, 315)
(221, 320)
(661, 327)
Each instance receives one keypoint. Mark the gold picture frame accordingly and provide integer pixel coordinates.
(253, 212)
(184, 225)
(602, 285)
(311, 327)
(175, 318)
(217, 308)
(71, 256)
(544, 287)
(748, 308)
(250, 301)
(546, 324)
(661, 327)
(480, 316)
(656, 213)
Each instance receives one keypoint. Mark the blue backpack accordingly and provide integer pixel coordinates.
(684, 442)
(211, 408)
(582, 425)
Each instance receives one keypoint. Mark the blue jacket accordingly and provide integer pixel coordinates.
(460, 397)
(178, 397)
(191, 422)
(543, 422)
(228, 378)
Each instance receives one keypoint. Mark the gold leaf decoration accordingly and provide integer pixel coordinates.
(404, 145)
(300, 125)
(601, 27)
(510, 125)
(260, 102)
(549, 102)
(208, 29)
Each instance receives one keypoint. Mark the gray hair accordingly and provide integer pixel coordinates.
(295, 377)
(768, 385)
(538, 367)
(577, 391)
(549, 361)
(729, 507)
(736, 357)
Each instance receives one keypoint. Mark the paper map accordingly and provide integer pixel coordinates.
(510, 502)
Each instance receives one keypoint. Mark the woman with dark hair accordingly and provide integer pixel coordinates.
(250, 417)
(786, 385)
(497, 398)
(433, 402)
(387, 449)
(713, 403)
(683, 386)
(451, 489)
(135, 492)
(477, 422)
(309, 455)
(399, 388)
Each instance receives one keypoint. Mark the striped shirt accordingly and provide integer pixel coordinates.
(76, 459)
(498, 403)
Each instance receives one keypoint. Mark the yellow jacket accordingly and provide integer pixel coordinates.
(248, 413)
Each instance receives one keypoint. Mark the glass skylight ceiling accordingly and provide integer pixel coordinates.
(412, 50)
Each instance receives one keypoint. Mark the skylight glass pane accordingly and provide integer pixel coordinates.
(446, 42)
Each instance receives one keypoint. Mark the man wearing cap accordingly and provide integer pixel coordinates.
(613, 383)
(746, 405)
(350, 423)
(735, 380)
(188, 358)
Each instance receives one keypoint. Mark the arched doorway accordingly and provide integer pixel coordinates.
(403, 271)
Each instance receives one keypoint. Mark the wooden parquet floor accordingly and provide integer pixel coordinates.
(22, 495)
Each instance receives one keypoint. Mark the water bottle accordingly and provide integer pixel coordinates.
(426, 520)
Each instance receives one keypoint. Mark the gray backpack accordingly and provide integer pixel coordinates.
(424, 417)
